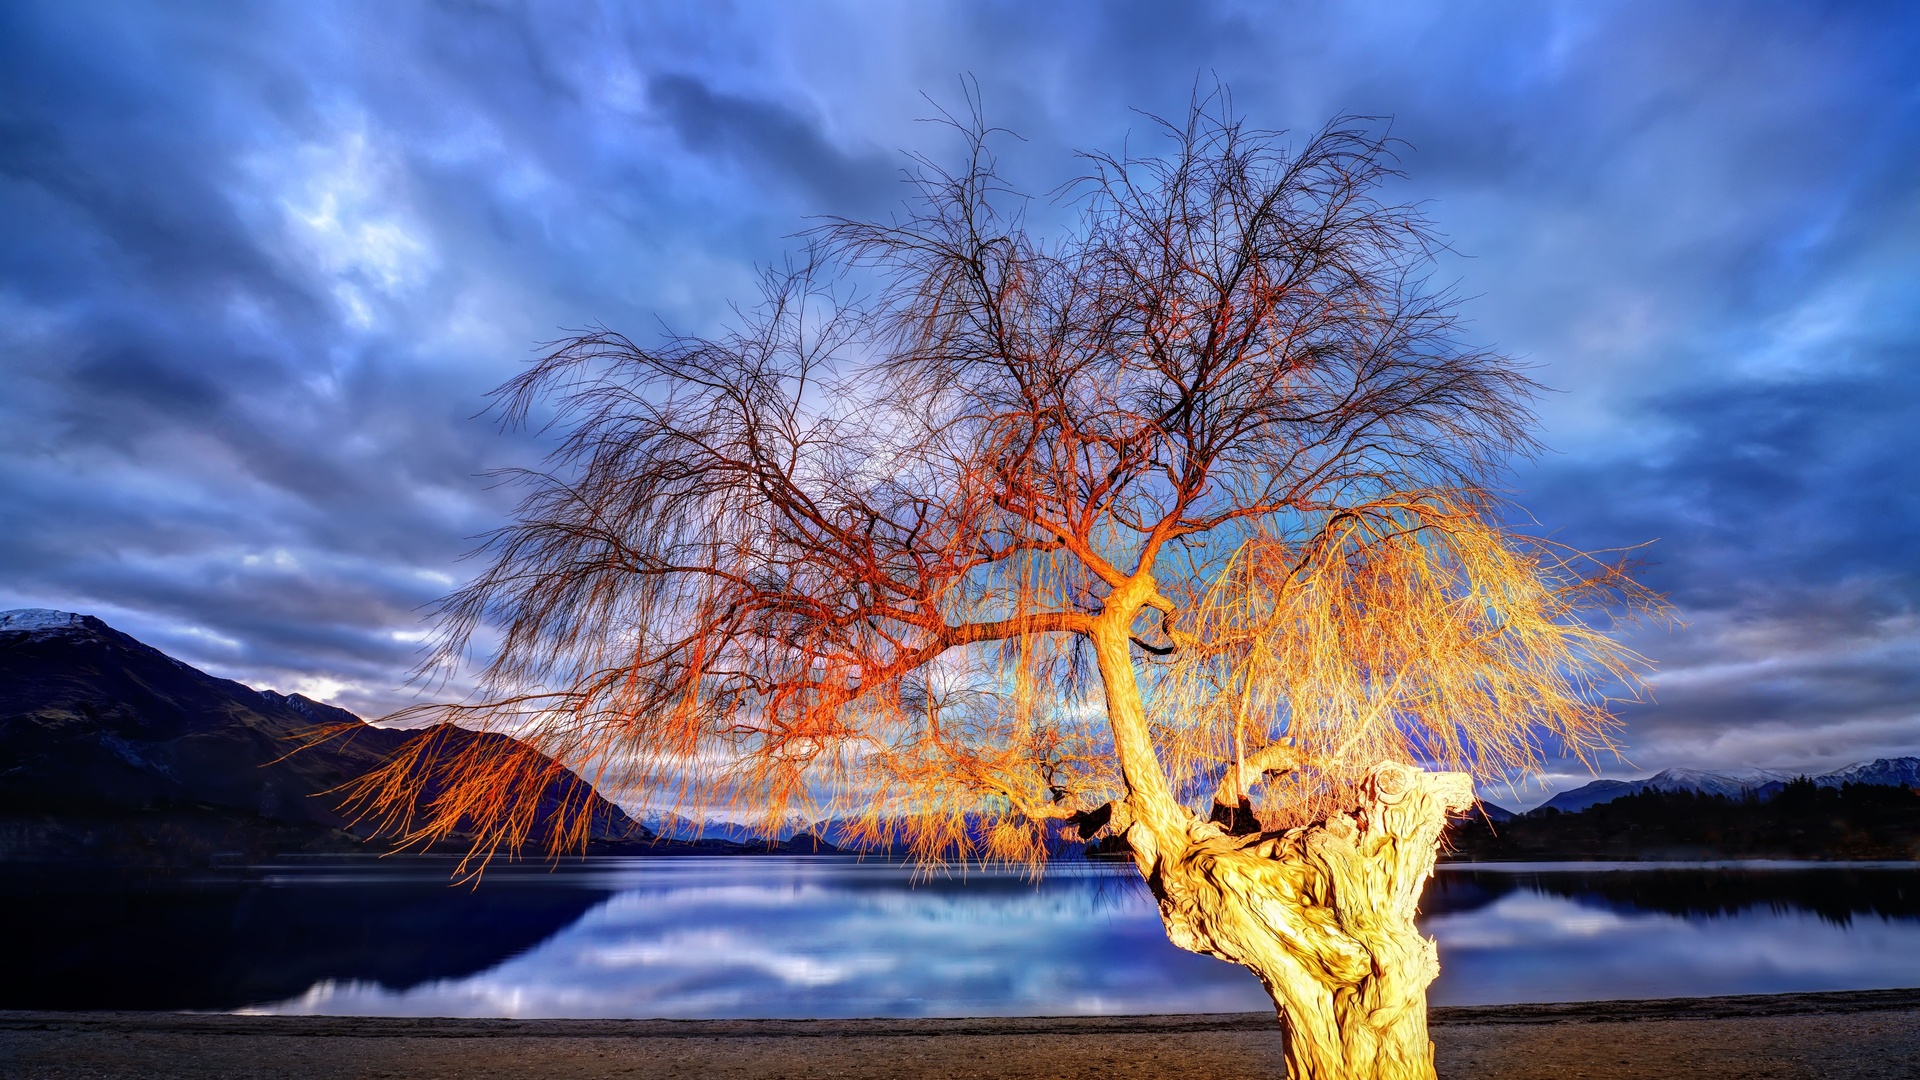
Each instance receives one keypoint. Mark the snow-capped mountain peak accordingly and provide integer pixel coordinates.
(1729, 783)
(737, 829)
(1900, 770)
(39, 618)
(1734, 783)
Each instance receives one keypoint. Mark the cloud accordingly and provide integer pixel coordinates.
(775, 142)
(258, 268)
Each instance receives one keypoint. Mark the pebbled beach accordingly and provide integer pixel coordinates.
(1839, 1035)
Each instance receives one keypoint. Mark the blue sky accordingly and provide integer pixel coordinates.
(259, 265)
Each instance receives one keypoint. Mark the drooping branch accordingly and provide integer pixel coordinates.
(1184, 510)
(885, 558)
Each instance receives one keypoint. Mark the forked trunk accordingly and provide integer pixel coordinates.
(1324, 916)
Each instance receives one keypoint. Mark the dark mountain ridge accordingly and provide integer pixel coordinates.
(110, 748)
(1804, 820)
(1761, 783)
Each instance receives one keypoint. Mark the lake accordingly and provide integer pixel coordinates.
(765, 936)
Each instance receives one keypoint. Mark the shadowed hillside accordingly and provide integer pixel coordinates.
(111, 749)
(1803, 821)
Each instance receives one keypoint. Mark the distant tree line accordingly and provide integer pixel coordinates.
(1803, 821)
(1836, 895)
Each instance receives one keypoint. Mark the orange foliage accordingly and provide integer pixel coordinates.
(874, 559)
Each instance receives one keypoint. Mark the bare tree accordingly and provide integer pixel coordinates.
(1177, 528)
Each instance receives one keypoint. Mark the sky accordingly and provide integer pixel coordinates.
(260, 264)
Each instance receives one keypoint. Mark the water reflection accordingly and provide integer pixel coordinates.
(831, 938)
(769, 936)
(93, 940)
(1517, 934)
(1835, 893)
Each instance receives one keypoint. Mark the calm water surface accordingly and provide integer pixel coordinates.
(828, 937)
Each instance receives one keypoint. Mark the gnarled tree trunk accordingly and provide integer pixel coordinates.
(1324, 916)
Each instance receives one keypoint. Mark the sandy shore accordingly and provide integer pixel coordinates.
(1865, 1034)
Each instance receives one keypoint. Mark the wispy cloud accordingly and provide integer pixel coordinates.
(259, 265)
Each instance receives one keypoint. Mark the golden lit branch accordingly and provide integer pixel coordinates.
(1420, 629)
(883, 561)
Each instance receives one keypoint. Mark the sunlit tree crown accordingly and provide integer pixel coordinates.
(853, 558)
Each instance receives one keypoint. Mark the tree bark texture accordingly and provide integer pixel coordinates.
(1324, 916)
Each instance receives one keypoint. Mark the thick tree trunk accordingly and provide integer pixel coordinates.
(1324, 916)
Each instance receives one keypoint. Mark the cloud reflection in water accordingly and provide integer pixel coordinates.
(770, 937)
(1532, 946)
(828, 938)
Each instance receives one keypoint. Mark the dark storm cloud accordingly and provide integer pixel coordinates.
(774, 141)
(1786, 529)
(259, 265)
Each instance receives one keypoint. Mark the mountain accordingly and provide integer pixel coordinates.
(1492, 811)
(673, 826)
(797, 833)
(1900, 771)
(1765, 783)
(111, 748)
(1599, 791)
(1731, 784)
(1804, 821)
